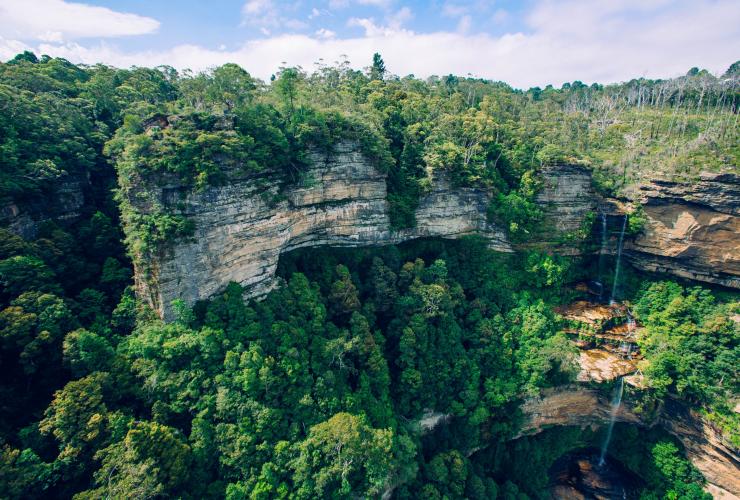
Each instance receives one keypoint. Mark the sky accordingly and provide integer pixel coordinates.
(524, 43)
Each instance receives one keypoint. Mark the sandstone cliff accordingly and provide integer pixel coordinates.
(580, 406)
(64, 204)
(241, 230)
(692, 230)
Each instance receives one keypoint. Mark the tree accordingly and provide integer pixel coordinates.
(152, 460)
(377, 70)
(343, 297)
(230, 86)
(23, 273)
(343, 456)
(77, 418)
(86, 352)
(286, 86)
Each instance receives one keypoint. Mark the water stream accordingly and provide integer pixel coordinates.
(616, 403)
(619, 261)
(604, 240)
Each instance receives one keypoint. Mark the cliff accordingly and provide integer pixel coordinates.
(691, 230)
(64, 204)
(243, 227)
(580, 406)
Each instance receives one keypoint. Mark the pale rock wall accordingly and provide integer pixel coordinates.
(579, 406)
(341, 201)
(243, 227)
(692, 230)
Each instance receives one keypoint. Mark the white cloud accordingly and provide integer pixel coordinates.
(376, 3)
(463, 25)
(58, 20)
(266, 16)
(561, 45)
(325, 33)
(399, 18)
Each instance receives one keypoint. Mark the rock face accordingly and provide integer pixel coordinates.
(566, 198)
(64, 204)
(242, 228)
(580, 406)
(341, 201)
(692, 230)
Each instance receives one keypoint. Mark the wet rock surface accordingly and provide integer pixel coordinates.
(578, 475)
(578, 405)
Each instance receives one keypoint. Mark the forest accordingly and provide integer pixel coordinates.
(318, 390)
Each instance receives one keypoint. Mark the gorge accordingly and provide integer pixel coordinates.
(349, 284)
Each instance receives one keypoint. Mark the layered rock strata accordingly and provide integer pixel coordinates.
(566, 198)
(63, 205)
(241, 230)
(692, 230)
(580, 406)
(243, 227)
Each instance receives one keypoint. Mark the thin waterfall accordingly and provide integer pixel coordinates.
(602, 250)
(626, 346)
(616, 403)
(619, 260)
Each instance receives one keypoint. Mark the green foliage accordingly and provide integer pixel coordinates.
(344, 457)
(318, 390)
(691, 346)
(636, 221)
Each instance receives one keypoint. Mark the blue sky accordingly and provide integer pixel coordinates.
(526, 43)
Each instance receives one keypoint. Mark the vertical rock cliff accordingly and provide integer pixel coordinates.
(692, 230)
(242, 228)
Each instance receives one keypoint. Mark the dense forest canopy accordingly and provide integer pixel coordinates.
(318, 391)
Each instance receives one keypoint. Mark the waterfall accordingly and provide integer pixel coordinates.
(600, 281)
(626, 346)
(616, 402)
(619, 261)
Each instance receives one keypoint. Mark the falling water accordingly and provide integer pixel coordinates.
(619, 261)
(602, 215)
(626, 346)
(616, 402)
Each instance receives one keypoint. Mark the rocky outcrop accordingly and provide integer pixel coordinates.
(64, 204)
(581, 406)
(566, 198)
(242, 228)
(691, 230)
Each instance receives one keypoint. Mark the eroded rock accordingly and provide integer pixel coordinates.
(691, 230)
(581, 406)
(241, 230)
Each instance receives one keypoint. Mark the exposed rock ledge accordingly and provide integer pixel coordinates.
(63, 205)
(579, 406)
(692, 230)
(342, 201)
